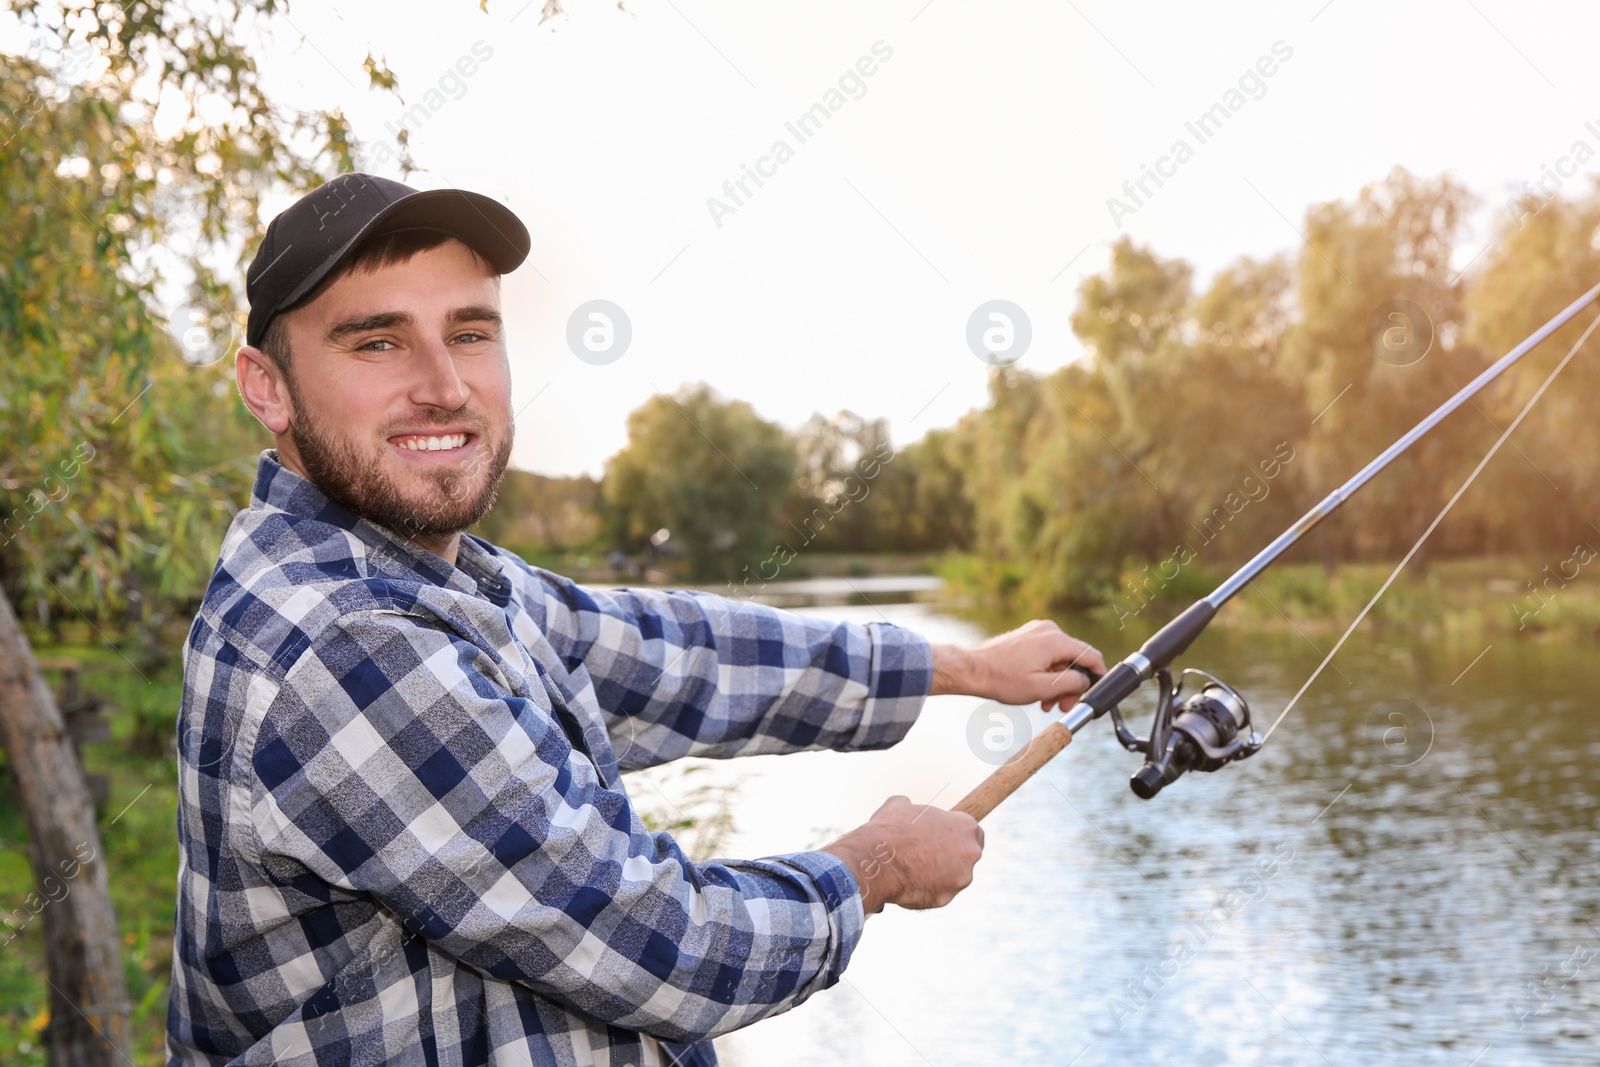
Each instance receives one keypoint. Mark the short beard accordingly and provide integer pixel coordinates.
(357, 481)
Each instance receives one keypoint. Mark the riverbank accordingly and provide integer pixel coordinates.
(1494, 597)
(1498, 597)
(1554, 598)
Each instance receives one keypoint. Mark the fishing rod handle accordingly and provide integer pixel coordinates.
(1013, 772)
(1043, 747)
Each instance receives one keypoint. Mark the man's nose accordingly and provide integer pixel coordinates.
(437, 381)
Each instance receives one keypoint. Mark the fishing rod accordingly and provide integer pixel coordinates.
(1212, 727)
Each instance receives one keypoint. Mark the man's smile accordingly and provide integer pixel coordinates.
(436, 448)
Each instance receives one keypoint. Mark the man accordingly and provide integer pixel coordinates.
(404, 836)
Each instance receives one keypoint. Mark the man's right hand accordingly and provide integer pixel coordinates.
(912, 855)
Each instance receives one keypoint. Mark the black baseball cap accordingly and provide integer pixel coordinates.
(316, 233)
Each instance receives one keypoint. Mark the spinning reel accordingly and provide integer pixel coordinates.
(1209, 729)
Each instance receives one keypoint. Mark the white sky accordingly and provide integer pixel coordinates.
(976, 166)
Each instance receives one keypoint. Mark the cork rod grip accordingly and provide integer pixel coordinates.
(1014, 771)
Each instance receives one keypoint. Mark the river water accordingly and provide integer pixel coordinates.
(1406, 874)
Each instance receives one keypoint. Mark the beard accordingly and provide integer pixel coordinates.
(450, 501)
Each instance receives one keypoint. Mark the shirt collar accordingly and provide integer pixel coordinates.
(477, 571)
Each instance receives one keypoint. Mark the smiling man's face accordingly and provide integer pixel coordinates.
(398, 401)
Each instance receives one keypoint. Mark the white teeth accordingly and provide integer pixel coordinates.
(435, 444)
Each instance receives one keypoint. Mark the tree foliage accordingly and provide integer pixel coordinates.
(135, 147)
(124, 456)
(711, 472)
(1543, 256)
(836, 484)
(534, 513)
(1201, 424)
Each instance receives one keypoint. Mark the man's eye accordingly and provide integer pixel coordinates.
(470, 336)
(371, 346)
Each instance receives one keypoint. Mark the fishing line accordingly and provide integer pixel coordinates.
(1437, 519)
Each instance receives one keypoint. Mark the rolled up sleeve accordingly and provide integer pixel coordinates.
(395, 761)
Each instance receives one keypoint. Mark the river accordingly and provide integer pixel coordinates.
(1404, 875)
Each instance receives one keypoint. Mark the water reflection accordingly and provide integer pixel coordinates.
(1351, 895)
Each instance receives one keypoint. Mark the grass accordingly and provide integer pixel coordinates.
(1494, 597)
(859, 564)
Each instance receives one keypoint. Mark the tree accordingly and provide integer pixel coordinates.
(1239, 425)
(1393, 243)
(1166, 432)
(710, 471)
(918, 502)
(1132, 322)
(1076, 474)
(1545, 254)
(536, 513)
(831, 493)
(104, 498)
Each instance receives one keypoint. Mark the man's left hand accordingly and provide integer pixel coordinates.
(1036, 661)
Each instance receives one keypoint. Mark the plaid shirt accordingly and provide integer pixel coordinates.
(404, 836)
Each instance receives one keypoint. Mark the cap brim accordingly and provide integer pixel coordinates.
(480, 222)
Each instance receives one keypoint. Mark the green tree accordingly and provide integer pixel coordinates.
(830, 502)
(1131, 321)
(109, 502)
(534, 513)
(1540, 494)
(918, 501)
(1237, 415)
(1185, 402)
(710, 471)
(1394, 242)
(1080, 465)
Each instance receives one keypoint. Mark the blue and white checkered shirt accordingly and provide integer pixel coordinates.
(404, 836)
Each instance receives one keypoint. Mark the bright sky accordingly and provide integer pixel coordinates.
(974, 163)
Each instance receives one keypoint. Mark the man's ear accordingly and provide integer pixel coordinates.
(262, 388)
